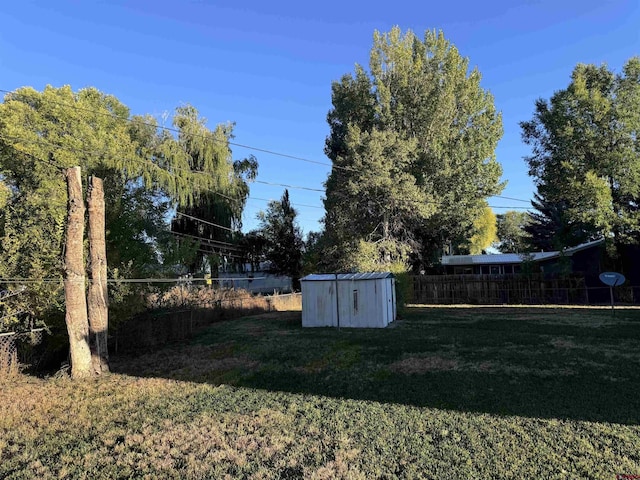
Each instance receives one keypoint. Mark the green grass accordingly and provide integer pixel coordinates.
(446, 393)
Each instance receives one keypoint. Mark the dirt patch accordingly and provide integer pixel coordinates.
(315, 366)
(221, 350)
(563, 343)
(255, 330)
(192, 360)
(231, 363)
(516, 370)
(419, 365)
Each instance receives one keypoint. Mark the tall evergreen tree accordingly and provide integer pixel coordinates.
(412, 143)
(283, 237)
(550, 227)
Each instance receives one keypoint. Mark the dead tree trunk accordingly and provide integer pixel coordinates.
(97, 298)
(74, 279)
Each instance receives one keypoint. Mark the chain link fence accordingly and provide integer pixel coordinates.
(20, 350)
(143, 315)
(174, 313)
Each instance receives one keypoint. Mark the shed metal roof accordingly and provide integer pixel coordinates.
(325, 277)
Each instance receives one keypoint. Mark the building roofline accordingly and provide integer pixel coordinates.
(513, 258)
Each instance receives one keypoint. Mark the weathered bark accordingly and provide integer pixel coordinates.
(74, 280)
(97, 298)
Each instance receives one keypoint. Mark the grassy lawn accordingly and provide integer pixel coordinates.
(445, 393)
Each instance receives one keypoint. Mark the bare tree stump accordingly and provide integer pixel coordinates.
(97, 297)
(74, 279)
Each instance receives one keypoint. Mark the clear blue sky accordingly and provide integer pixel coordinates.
(268, 66)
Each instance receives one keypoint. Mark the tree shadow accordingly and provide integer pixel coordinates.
(566, 363)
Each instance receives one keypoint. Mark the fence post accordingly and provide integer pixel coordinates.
(586, 292)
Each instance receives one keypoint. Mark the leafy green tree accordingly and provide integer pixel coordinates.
(586, 153)
(283, 237)
(412, 143)
(312, 258)
(224, 206)
(376, 200)
(512, 236)
(254, 245)
(484, 232)
(146, 171)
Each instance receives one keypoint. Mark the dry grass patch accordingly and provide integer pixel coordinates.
(493, 399)
(316, 366)
(287, 303)
(230, 301)
(563, 343)
(424, 364)
(341, 468)
(231, 442)
(188, 360)
(420, 365)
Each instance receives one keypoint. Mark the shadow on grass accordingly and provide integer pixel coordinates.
(568, 363)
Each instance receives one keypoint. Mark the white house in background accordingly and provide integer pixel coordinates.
(349, 300)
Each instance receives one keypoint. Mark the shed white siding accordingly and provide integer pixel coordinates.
(363, 300)
(319, 305)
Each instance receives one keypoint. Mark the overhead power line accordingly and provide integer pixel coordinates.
(176, 130)
(289, 186)
(76, 150)
(86, 151)
(41, 141)
(210, 242)
(294, 204)
(249, 147)
(511, 198)
(206, 222)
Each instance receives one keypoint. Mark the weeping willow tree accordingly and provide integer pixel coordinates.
(147, 171)
(221, 209)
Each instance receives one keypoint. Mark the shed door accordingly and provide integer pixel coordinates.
(320, 310)
(393, 300)
(389, 301)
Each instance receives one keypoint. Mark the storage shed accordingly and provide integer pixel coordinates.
(350, 300)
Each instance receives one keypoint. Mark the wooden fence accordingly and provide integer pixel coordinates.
(513, 289)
